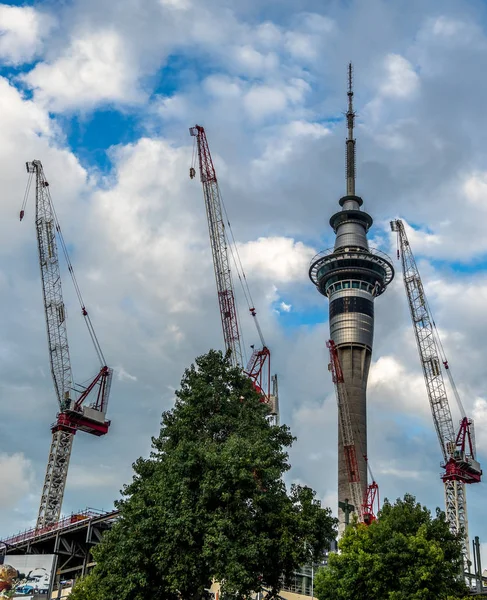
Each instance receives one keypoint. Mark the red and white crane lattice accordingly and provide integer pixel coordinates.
(364, 505)
(258, 367)
(458, 449)
(73, 414)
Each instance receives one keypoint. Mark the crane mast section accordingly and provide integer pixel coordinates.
(219, 249)
(51, 287)
(427, 346)
(55, 479)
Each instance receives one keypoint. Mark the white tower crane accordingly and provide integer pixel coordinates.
(458, 449)
(73, 414)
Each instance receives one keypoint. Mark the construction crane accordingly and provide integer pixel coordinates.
(258, 367)
(73, 413)
(364, 505)
(458, 448)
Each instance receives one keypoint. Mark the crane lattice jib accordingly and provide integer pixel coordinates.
(455, 497)
(51, 287)
(345, 424)
(218, 240)
(427, 346)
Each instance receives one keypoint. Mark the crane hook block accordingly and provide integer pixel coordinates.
(22, 213)
(192, 173)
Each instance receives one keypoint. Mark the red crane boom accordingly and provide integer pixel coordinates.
(258, 367)
(219, 250)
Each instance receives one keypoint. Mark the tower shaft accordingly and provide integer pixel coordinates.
(351, 276)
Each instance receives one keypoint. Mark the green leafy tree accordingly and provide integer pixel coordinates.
(210, 503)
(404, 555)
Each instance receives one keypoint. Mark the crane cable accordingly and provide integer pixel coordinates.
(242, 276)
(84, 312)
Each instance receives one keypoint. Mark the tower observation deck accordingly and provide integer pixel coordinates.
(351, 275)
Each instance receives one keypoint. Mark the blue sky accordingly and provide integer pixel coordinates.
(104, 93)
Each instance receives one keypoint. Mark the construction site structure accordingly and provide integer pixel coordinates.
(457, 446)
(74, 413)
(351, 275)
(258, 367)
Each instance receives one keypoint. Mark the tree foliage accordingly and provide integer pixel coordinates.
(210, 503)
(404, 555)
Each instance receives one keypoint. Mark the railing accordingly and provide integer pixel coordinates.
(69, 521)
(372, 254)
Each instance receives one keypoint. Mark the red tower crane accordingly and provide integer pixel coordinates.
(458, 449)
(73, 413)
(365, 505)
(258, 367)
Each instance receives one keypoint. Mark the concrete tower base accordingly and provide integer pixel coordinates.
(355, 363)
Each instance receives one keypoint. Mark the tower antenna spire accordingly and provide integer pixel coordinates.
(350, 174)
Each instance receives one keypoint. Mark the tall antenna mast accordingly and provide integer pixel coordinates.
(350, 140)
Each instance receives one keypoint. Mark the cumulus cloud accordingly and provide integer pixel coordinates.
(94, 69)
(277, 258)
(285, 307)
(262, 101)
(401, 81)
(22, 31)
(397, 389)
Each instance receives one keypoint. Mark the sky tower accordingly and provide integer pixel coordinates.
(351, 275)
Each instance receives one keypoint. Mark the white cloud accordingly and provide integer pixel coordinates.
(300, 45)
(401, 81)
(446, 26)
(285, 307)
(223, 87)
(249, 60)
(123, 375)
(94, 69)
(479, 416)
(475, 189)
(306, 128)
(455, 30)
(396, 389)
(268, 34)
(176, 4)
(17, 478)
(22, 31)
(263, 101)
(278, 259)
